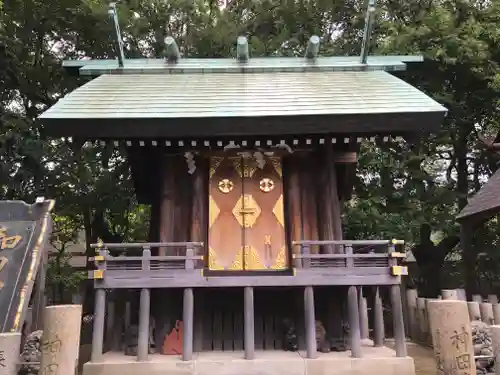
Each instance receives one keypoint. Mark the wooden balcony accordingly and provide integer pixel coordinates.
(352, 263)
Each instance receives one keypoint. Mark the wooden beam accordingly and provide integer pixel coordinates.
(171, 50)
(312, 49)
(242, 54)
(345, 157)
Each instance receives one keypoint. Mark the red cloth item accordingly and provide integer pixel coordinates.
(172, 344)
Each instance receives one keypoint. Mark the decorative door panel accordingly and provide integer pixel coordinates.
(246, 218)
(225, 234)
(264, 230)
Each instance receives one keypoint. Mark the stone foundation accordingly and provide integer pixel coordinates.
(376, 361)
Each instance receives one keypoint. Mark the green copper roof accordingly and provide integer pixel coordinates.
(241, 95)
(253, 65)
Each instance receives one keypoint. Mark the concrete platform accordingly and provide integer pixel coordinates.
(376, 361)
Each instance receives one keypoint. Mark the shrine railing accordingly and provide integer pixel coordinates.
(338, 263)
(367, 254)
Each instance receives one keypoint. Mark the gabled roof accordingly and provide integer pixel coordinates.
(485, 203)
(205, 104)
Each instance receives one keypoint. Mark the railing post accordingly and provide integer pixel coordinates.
(353, 311)
(398, 323)
(378, 319)
(306, 261)
(143, 339)
(310, 322)
(189, 263)
(249, 321)
(98, 330)
(188, 315)
(349, 256)
(297, 262)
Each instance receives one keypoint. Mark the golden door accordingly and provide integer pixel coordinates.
(246, 225)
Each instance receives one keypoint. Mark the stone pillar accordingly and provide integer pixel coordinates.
(495, 341)
(477, 298)
(452, 337)
(493, 298)
(448, 294)
(486, 310)
(61, 339)
(474, 311)
(496, 313)
(423, 330)
(411, 303)
(462, 296)
(10, 347)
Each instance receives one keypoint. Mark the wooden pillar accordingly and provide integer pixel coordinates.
(249, 322)
(98, 330)
(110, 321)
(363, 315)
(187, 316)
(293, 199)
(398, 323)
(199, 211)
(309, 211)
(310, 322)
(378, 319)
(354, 330)
(411, 304)
(167, 203)
(143, 339)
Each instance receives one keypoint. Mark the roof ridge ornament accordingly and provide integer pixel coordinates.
(365, 47)
(119, 41)
(172, 53)
(242, 51)
(312, 49)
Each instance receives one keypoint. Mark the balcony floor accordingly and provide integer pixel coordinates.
(376, 361)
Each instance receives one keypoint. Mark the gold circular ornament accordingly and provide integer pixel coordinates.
(266, 185)
(225, 186)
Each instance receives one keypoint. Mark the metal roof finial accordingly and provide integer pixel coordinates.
(242, 54)
(119, 41)
(312, 49)
(171, 49)
(368, 30)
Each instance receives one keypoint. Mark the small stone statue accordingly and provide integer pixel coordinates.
(31, 354)
(322, 343)
(290, 341)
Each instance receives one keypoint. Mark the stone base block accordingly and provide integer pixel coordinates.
(376, 361)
